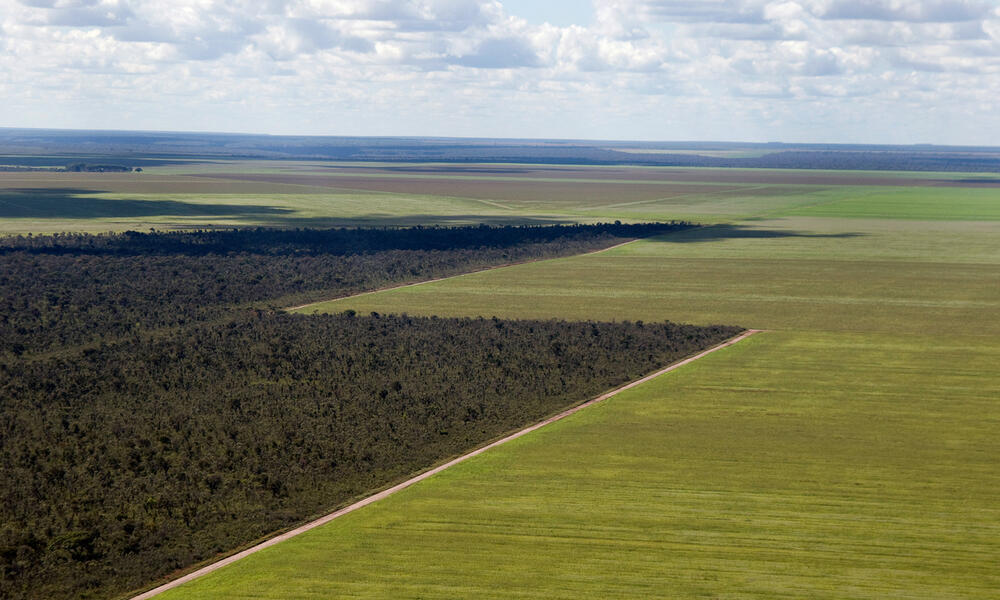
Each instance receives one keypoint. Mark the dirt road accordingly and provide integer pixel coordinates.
(400, 486)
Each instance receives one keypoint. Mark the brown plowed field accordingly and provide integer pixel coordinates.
(670, 175)
(493, 189)
(146, 183)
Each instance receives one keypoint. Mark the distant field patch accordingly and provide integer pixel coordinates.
(142, 183)
(932, 204)
(499, 188)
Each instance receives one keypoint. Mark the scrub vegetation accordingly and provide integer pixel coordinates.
(65, 290)
(128, 461)
(158, 409)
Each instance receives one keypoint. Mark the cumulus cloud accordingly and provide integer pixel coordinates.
(641, 68)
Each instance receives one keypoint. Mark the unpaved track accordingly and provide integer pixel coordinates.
(400, 486)
(406, 285)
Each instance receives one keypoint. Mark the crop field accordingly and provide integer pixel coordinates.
(325, 194)
(787, 273)
(848, 452)
(760, 472)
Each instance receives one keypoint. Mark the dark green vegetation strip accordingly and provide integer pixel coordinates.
(72, 289)
(155, 413)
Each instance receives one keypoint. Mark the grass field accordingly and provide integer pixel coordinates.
(760, 472)
(849, 452)
(791, 273)
(932, 204)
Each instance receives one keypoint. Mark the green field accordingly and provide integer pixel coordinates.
(789, 274)
(848, 452)
(759, 472)
(932, 204)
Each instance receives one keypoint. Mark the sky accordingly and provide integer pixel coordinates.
(850, 71)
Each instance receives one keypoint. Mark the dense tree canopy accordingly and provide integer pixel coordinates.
(70, 289)
(130, 460)
(155, 411)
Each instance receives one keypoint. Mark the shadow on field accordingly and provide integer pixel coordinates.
(714, 233)
(72, 203)
(380, 220)
(972, 183)
(449, 169)
(78, 203)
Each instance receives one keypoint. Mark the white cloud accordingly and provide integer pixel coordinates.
(756, 69)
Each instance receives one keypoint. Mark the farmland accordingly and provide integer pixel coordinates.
(849, 452)
(790, 273)
(760, 472)
(317, 194)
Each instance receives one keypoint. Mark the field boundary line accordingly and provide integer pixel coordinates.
(493, 268)
(434, 471)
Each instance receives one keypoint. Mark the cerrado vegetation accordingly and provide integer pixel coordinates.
(155, 413)
(70, 289)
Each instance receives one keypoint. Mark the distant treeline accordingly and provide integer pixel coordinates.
(323, 241)
(125, 462)
(157, 148)
(71, 289)
(80, 167)
(20, 169)
(76, 167)
(851, 160)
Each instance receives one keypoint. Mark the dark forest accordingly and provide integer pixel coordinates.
(158, 410)
(65, 290)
